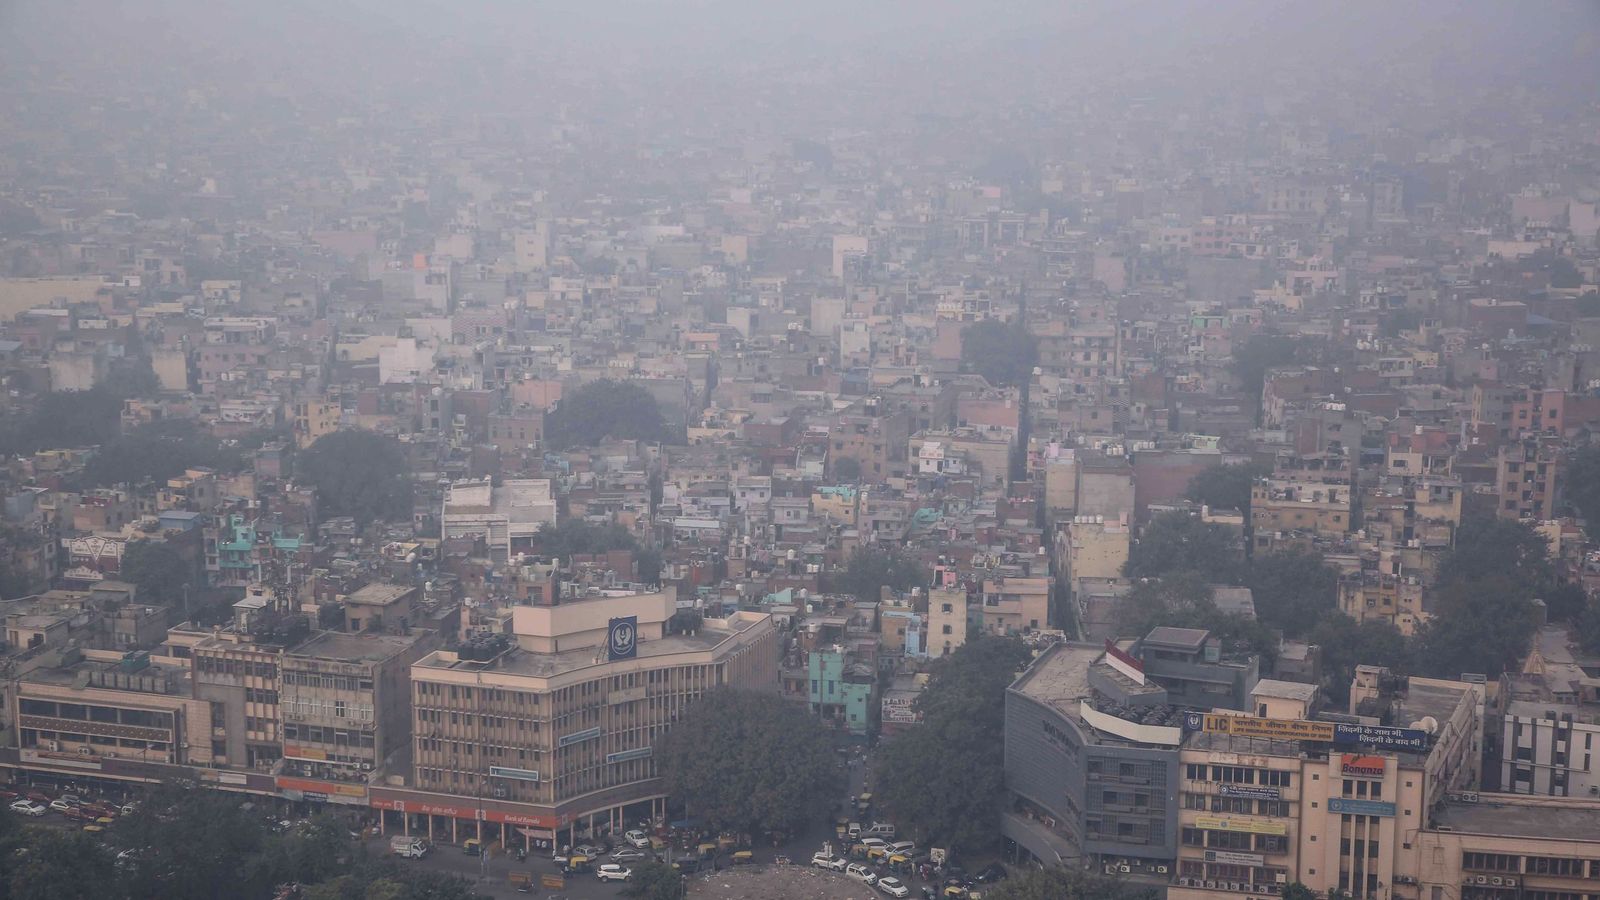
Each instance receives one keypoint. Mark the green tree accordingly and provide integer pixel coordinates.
(943, 778)
(1184, 600)
(847, 469)
(1589, 305)
(1062, 883)
(157, 452)
(1179, 542)
(62, 419)
(749, 763)
(1297, 891)
(1588, 627)
(61, 865)
(1292, 590)
(577, 537)
(1004, 353)
(358, 473)
(1260, 353)
(1346, 644)
(158, 570)
(653, 880)
(1482, 625)
(1226, 487)
(190, 843)
(1581, 483)
(1487, 545)
(871, 569)
(603, 409)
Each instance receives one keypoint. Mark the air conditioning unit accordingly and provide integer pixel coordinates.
(52, 746)
(1235, 886)
(1211, 885)
(1482, 879)
(366, 767)
(1183, 881)
(1111, 870)
(1497, 881)
(1161, 869)
(85, 751)
(1124, 868)
(1510, 882)
(1282, 878)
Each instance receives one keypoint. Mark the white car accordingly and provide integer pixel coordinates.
(609, 872)
(638, 839)
(862, 874)
(893, 886)
(61, 806)
(829, 861)
(904, 848)
(27, 808)
(627, 854)
(875, 843)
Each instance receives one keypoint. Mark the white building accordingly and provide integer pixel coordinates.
(514, 511)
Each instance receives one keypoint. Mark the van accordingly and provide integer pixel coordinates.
(855, 830)
(408, 847)
(880, 830)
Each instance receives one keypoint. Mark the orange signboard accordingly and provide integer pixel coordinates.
(1354, 766)
(331, 788)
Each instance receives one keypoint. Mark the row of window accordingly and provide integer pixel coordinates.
(1238, 805)
(329, 681)
(338, 737)
(1570, 867)
(1234, 840)
(227, 665)
(1239, 775)
(82, 712)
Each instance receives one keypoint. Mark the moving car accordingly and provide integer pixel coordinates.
(628, 854)
(610, 872)
(875, 843)
(637, 839)
(28, 808)
(61, 805)
(881, 830)
(829, 861)
(992, 873)
(893, 886)
(861, 873)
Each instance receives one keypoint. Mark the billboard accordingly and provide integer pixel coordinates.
(1380, 737)
(1122, 662)
(1250, 726)
(1242, 826)
(1250, 792)
(1235, 859)
(1352, 765)
(1360, 807)
(622, 638)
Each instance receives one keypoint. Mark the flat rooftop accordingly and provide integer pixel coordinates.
(378, 594)
(1422, 699)
(1533, 820)
(1167, 637)
(1284, 690)
(354, 648)
(1060, 678)
(517, 661)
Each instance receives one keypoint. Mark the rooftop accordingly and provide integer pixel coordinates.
(1552, 821)
(379, 594)
(1284, 690)
(549, 665)
(355, 648)
(1167, 637)
(1060, 677)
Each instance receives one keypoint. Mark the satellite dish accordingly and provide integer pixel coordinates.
(1430, 724)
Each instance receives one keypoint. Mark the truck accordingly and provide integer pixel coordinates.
(408, 847)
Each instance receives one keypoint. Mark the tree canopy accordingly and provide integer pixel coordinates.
(603, 409)
(655, 880)
(1226, 487)
(1581, 483)
(157, 452)
(577, 537)
(943, 777)
(1260, 353)
(63, 419)
(1184, 600)
(1179, 542)
(1063, 883)
(871, 569)
(1004, 353)
(358, 473)
(1292, 590)
(158, 570)
(749, 763)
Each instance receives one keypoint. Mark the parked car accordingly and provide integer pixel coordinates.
(861, 873)
(637, 839)
(904, 848)
(829, 861)
(893, 886)
(610, 872)
(28, 808)
(880, 830)
(61, 805)
(628, 854)
(992, 873)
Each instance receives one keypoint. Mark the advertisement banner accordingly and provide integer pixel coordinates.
(1243, 826)
(1361, 807)
(578, 737)
(1272, 729)
(330, 788)
(1354, 766)
(1380, 737)
(1250, 792)
(1235, 859)
(508, 772)
(1131, 668)
(622, 638)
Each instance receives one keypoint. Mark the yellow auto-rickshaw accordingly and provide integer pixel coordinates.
(94, 829)
(657, 844)
(955, 892)
(864, 802)
(876, 853)
(899, 862)
(859, 851)
(472, 847)
(708, 850)
(578, 864)
(743, 858)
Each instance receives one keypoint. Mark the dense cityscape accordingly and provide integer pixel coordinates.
(708, 450)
